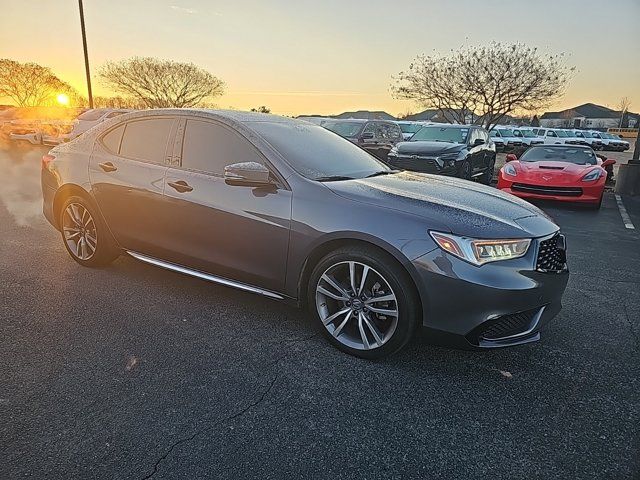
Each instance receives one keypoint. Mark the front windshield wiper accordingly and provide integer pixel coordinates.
(381, 172)
(333, 178)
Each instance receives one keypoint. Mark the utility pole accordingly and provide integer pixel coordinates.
(86, 54)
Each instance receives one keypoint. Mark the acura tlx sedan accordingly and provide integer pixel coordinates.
(291, 211)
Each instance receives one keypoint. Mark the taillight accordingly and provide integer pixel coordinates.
(46, 161)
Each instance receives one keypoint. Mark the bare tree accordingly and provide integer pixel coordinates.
(484, 83)
(32, 85)
(161, 83)
(118, 102)
(623, 108)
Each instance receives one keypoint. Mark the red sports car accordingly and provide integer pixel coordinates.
(556, 172)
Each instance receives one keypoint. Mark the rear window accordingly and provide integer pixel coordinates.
(578, 156)
(91, 115)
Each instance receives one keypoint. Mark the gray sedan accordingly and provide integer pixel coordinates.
(291, 211)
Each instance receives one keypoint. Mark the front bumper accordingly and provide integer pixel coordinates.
(473, 305)
(589, 192)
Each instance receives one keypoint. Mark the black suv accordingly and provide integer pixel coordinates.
(457, 150)
(375, 136)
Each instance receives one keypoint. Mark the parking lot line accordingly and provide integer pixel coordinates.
(623, 213)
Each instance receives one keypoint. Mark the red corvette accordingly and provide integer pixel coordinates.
(556, 172)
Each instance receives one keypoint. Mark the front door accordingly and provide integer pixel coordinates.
(126, 172)
(237, 232)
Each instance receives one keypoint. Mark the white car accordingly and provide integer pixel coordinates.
(586, 138)
(611, 142)
(527, 137)
(55, 132)
(409, 128)
(553, 136)
(93, 117)
(25, 131)
(510, 139)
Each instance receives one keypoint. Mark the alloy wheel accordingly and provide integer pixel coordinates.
(357, 305)
(79, 230)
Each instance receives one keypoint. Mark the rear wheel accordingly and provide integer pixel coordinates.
(85, 236)
(365, 302)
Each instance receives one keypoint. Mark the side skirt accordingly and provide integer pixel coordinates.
(205, 276)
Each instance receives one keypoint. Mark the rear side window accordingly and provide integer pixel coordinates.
(112, 139)
(209, 147)
(146, 140)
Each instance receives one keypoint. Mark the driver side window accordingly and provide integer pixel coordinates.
(551, 134)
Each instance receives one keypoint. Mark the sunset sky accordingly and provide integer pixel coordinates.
(310, 56)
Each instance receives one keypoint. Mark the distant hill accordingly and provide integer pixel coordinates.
(360, 114)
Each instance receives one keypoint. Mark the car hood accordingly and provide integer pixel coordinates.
(552, 173)
(462, 207)
(424, 147)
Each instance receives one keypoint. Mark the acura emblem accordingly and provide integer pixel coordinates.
(414, 157)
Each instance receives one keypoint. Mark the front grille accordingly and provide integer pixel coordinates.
(420, 164)
(552, 254)
(509, 325)
(546, 190)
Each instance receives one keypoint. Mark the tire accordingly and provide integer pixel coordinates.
(487, 176)
(466, 170)
(348, 320)
(85, 235)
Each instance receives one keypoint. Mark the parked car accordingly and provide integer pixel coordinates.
(376, 136)
(409, 128)
(93, 117)
(55, 132)
(570, 173)
(510, 139)
(527, 137)
(457, 150)
(586, 138)
(26, 131)
(286, 209)
(497, 140)
(610, 142)
(553, 136)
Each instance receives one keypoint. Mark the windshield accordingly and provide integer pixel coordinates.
(527, 133)
(493, 133)
(344, 129)
(317, 153)
(506, 132)
(578, 156)
(609, 136)
(409, 127)
(562, 133)
(441, 134)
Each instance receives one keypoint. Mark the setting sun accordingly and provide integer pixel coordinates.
(63, 99)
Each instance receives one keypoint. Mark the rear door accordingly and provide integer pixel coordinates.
(126, 171)
(237, 232)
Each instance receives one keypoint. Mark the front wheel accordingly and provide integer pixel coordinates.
(86, 237)
(365, 303)
(487, 175)
(466, 170)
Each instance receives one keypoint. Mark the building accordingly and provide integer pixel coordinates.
(588, 115)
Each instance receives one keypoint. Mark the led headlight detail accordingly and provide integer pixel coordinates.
(592, 176)
(481, 251)
(510, 170)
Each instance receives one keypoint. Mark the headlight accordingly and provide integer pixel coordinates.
(479, 251)
(509, 170)
(592, 176)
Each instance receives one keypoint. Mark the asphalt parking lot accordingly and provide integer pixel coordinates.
(135, 372)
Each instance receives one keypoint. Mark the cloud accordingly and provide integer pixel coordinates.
(186, 11)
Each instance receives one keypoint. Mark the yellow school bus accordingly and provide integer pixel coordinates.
(624, 132)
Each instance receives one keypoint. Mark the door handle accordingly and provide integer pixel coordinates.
(108, 167)
(181, 186)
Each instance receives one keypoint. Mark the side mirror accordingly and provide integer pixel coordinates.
(366, 136)
(607, 162)
(248, 174)
(478, 141)
(511, 157)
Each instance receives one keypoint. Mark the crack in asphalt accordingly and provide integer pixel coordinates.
(251, 405)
